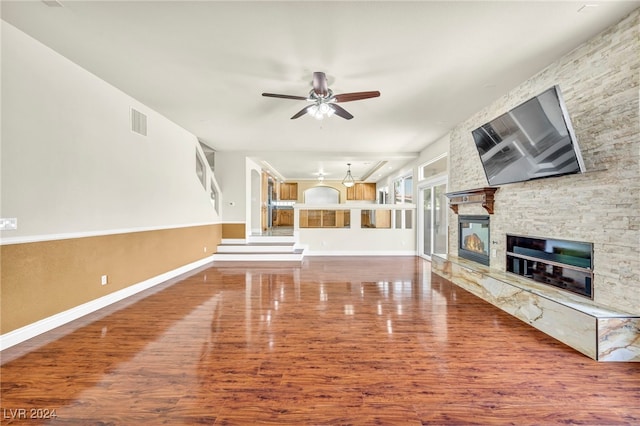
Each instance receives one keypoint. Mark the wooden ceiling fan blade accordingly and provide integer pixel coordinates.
(356, 96)
(302, 112)
(338, 110)
(320, 86)
(275, 95)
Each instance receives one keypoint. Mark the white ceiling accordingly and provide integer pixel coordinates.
(204, 65)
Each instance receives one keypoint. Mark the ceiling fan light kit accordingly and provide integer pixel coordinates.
(321, 110)
(324, 102)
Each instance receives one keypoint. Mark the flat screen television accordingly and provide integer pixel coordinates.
(534, 140)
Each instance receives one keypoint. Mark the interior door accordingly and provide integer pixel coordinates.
(433, 227)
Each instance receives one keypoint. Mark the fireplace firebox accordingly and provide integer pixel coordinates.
(559, 263)
(473, 238)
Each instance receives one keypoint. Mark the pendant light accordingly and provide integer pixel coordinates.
(348, 179)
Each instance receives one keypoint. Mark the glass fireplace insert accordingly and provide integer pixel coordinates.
(474, 238)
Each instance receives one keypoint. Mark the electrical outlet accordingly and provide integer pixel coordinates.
(104, 280)
(8, 224)
(205, 249)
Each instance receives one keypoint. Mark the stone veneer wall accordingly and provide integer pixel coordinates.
(600, 82)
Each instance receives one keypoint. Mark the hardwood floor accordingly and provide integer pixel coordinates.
(352, 340)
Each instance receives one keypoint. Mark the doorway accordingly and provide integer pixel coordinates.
(432, 218)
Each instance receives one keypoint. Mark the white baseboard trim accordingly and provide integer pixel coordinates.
(27, 332)
(361, 253)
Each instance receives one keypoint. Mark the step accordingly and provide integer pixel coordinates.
(271, 239)
(286, 256)
(257, 248)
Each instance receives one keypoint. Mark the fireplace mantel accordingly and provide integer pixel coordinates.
(469, 196)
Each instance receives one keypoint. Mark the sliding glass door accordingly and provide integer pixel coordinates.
(432, 237)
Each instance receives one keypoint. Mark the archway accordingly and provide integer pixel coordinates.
(321, 195)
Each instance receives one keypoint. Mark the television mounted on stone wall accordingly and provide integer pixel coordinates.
(532, 141)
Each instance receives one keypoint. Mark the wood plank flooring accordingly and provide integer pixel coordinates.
(331, 341)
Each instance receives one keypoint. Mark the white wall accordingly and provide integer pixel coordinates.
(355, 240)
(358, 242)
(70, 163)
(231, 171)
(433, 150)
(254, 198)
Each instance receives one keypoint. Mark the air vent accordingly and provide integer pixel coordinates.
(138, 122)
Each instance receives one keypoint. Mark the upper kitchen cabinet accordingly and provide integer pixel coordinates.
(289, 191)
(362, 192)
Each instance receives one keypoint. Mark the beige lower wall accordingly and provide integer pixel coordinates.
(233, 230)
(42, 279)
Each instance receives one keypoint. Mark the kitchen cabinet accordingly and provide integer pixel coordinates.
(375, 218)
(289, 191)
(362, 192)
(284, 217)
(325, 218)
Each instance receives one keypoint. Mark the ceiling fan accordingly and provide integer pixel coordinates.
(323, 101)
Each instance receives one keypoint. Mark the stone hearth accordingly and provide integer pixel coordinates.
(598, 332)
